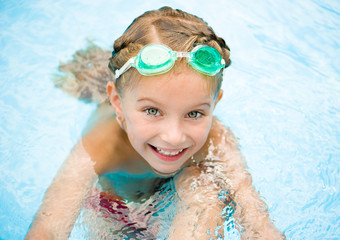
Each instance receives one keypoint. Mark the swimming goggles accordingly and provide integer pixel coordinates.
(155, 59)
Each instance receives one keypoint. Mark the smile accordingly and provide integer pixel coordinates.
(168, 154)
(161, 151)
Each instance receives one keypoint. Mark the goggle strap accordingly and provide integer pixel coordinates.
(183, 54)
(125, 67)
(223, 62)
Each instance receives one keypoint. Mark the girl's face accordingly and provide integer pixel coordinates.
(167, 117)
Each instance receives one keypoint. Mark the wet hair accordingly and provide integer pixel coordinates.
(177, 29)
(86, 75)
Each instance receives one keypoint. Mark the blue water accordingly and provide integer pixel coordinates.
(281, 99)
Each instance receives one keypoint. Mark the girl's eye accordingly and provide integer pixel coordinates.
(152, 111)
(194, 114)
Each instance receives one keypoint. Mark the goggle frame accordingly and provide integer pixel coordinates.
(167, 58)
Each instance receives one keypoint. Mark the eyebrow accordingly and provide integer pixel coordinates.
(151, 100)
(146, 99)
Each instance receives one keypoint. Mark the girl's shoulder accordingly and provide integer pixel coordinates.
(220, 134)
(221, 140)
(105, 142)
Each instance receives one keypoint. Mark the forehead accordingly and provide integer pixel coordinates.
(180, 77)
(180, 81)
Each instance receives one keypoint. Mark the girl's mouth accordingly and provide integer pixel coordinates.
(168, 154)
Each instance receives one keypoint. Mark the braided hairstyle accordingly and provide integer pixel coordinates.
(177, 29)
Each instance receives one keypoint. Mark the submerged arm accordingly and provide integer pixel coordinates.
(200, 209)
(251, 212)
(63, 199)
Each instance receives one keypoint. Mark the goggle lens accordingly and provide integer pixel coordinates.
(155, 55)
(207, 60)
(154, 60)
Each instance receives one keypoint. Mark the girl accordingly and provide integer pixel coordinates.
(156, 126)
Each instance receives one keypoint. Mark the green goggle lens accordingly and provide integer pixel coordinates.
(207, 60)
(155, 59)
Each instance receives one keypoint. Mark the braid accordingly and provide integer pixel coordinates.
(120, 57)
(121, 53)
(207, 37)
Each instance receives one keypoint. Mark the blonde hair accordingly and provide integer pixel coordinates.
(177, 29)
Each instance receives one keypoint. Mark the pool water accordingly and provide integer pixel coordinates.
(281, 99)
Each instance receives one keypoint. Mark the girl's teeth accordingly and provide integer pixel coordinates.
(169, 153)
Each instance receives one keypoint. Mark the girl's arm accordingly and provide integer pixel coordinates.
(64, 198)
(222, 168)
(199, 209)
(251, 211)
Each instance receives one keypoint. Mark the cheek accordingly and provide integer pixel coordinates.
(137, 131)
(131, 128)
(201, 134)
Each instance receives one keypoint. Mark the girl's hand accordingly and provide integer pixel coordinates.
(199, 207)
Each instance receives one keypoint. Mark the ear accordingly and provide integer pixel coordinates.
(114, 98)
(219, 97)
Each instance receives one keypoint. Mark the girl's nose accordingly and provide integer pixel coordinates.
(173, 134)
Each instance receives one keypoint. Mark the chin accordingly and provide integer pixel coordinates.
(166, 174)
